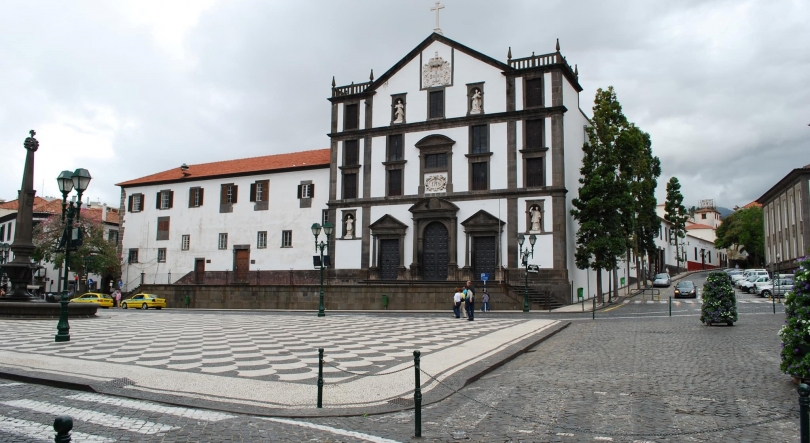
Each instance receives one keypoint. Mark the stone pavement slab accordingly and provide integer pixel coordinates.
(265, 363)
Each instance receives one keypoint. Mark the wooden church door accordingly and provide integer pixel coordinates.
(435, 252)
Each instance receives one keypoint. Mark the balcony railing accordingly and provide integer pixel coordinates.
(351, 89)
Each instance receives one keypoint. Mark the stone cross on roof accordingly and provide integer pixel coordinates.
(437, 8)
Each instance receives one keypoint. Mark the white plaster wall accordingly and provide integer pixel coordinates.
(547, 89)
(519, 146)
(466, 70)
(348, 253)
(518, 94)
(204, 224)
(378, 145)
(570, 96)
(362, 113)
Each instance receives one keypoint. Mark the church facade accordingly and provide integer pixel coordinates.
(440, 164)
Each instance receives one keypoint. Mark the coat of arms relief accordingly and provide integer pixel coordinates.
(436, 72)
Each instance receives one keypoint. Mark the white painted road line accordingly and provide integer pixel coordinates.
(5, 385)
(335, 431)
(38, 431)
(197, 414)
(99, 418)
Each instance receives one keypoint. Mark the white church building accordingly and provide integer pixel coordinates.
(433, 171)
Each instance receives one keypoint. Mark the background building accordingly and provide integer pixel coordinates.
(785, 207)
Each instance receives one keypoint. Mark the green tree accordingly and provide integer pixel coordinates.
(104, 256)
(674, 211)
(604, 203)
(640, 169)
(743, 228)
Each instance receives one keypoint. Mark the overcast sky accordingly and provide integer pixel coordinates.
(127, 89)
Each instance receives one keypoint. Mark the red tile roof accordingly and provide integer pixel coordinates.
(755, 204)
(698, 226)
(14, 204)
(243, 166)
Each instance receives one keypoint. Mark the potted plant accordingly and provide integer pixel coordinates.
(795, 333)
(719, 302)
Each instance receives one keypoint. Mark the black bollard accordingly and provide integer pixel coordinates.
(804, 410)
(62, 425)
(593, 313)
(320, 377)
(773, 300)
(670, 306)
(417, 397)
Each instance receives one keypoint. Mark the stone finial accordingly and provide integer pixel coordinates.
(509, 54)
(371, 77)
(558, 45)
(333, 81)
(31, 143)
(576, 70)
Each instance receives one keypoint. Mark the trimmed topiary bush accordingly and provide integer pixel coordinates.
(719, 301)
(795, 333)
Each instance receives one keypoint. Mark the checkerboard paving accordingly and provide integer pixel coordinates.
(259, 347)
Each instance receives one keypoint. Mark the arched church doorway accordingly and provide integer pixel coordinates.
(435, 252)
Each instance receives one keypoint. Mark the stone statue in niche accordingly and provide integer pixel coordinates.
(349, 227)
(399, 112)
(477, 101)
(536, 217)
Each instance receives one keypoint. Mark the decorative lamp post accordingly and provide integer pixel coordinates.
(71, 238)
(4, 253)
(319, 260)
(524, 259)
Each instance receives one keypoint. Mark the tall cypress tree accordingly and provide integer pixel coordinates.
(604, 200)
(675, 212)
(640, 169)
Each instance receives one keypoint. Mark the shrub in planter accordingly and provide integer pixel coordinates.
(719, 302)
(795, 333)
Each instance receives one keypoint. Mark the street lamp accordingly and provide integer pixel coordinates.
(319, 261)
(775, 271)
(71, 238)
(524, 259)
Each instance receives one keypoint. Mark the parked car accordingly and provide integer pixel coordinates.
(685, 289)
(783, 286)
(749, 284)
(751, 273)
(144, 301)
(662, 280)
(103, 300)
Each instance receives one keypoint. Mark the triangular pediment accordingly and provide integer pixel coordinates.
(482, 218)
(422, 46)
(433, 204)
(388, 221)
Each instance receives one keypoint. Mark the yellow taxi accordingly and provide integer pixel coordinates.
(144, 301)
(103, 300)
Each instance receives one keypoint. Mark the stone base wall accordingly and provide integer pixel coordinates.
(401, 296)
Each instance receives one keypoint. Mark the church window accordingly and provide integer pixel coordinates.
(350, 185)
(534, 92)
(480, 174)
(435, 161)
(395, 148)
(163, 228)
(436, 104)
(351, 119)
(133, 256)
(161, 258)
(195, 197)
(394, 182)
(164, 200)
(185, 242)
(286, 239)
(261, 240)
(223, 241)
(534, 172)
(534, 134)
(480, 142)
(351, 155)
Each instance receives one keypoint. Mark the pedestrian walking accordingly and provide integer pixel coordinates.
(469, 302)
(484, 300)
(457, 303)
(117, 298)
